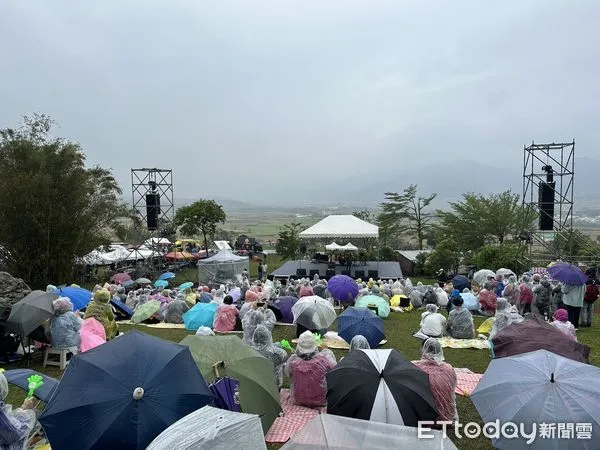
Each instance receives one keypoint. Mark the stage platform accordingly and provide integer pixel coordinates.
(385, 270)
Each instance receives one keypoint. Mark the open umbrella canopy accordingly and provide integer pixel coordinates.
(481, 276)
(535, 334)
(361, 321)
(236, 294)
(143, 281)
(284, 305)
(313, 312)
(568, 274)
(123, 394)
(381, 386)
(120, 278)
(186, 285)
(205, 297)
(505, 272)
(383, 308)
(19, 377)
(212, 429)
(30, 312)
(343, 288)
(258, 390)
(461, 282)
(201, 315)
(145, 311)
(167, 276)
(161, 283)
(122, 308)
(543, 388)
(79, 297)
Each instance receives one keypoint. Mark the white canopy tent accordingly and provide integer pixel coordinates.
(332, 247)
(349, 247)
(221, 268)
(222, 245)
(341, 226)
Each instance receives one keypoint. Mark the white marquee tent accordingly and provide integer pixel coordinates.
(221, 268)
(333, 247)
(341, 226)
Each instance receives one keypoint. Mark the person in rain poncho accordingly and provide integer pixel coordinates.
(460, 321)
(315, 280)
(258, 315)
(307, 370)
(487, 299)
(557, 295)
(131, 299)
(306, 290)
(442, 379)
(433, 323)
(121, 295)
(65, 326)
(573, 299)
(430, 297)
(505, 316)
(51, 288)
(227, 316)
(416, 298)
(512, 291)
(100, 309)
(16, 425)
(359, 342)
(218, 297)
(442, 297)
(592, 293)
(191, 298)
(262, 342)
(543, 296)
(421, 288)
(499, 285)
(320, 289)
(525, 295)
(175, 310)
(204, 331)
(561, 322)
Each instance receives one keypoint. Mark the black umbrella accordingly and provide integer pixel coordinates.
(381, 386)
(29, 313)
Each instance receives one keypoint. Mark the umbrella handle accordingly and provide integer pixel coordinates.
(216, 368)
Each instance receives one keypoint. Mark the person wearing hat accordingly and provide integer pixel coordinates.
(307, 370)
(561, 322)
(16, 425)
(99, 308)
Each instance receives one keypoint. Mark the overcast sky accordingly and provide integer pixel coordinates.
(254, 100)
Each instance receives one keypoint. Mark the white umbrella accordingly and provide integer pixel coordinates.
(214, 429)
(505, 272)
(314, 312)
(482, 275)
(542, 387)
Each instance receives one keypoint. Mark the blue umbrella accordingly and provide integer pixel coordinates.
(122, 307)
(161, 283)
(18, 377)
(123, 394)
(461, 282)
(201, 315)
(568, 274)
(186, 285)
(167, 276)
(343, 288)
(363, 321)
(128, 283)
(205, 297)
(79, 297)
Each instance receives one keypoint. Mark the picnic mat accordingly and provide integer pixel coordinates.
(449, 342)
(466, 381)
(332, 340)
(283, 324)
(292, 420)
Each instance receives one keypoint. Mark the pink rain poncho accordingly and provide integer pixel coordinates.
(307, 370)
(442, 379)
(92, 333)
(488, 299)
(561, 322)
(225, 318)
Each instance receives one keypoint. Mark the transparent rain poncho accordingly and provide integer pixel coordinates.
(442, 297)
(416, 298)
(359, 342)
(15, 424)
(430, 297)
(65, 325)
(460, 322)
(505, 315)
(174, 311)
(262, 342)
(432, 323)
(131, 299)
(512, 291)
(442, 379)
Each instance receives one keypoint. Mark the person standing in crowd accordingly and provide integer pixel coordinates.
(260, 270)
(573, 300)
(525, 295)
(592, 292)
(265, 269)
(543, 296)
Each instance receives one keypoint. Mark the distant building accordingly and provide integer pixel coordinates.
(408, 258)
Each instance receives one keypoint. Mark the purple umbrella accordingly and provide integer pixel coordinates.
(284, 304)
(343, 288)
(236, 294)
(225, 391)
(568, 274)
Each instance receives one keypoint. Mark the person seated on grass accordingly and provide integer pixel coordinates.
(131, 299)
(442, 379)
(306, 290)
(227, 317)
(359, 342)
(561, 322)
(99, 308)
(16, 425)
(175, 310)
(262, 342)
(488, 299)
(505, 316)
(259, 314)
(430, 297)
(460, 321)
(307, 370)
(416, 298)
(65, 326)
(433, 323)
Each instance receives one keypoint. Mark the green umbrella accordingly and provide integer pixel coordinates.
(145, 311)
(383, 308)
(258, 391)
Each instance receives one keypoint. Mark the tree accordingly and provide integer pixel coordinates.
(494, 257)
(54, 208)
(288, 242)
(445, 256)
(409, 211)
(477, 220)
(364, 214)
(201, 217)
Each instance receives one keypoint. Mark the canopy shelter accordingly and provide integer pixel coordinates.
(222, 245)
(333, 247)
(341, 227)
(221, 268)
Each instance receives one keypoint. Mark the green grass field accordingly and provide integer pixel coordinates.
(399, 329)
